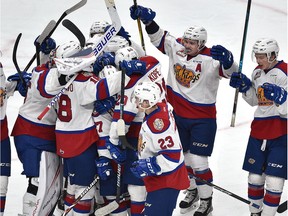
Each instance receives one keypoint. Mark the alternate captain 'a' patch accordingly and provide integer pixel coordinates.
(158, 124)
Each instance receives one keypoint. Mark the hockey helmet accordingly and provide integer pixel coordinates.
(67, 49)
(196, 33)
(147, 92)
(98, 27)
(126, 53)
(266, 46)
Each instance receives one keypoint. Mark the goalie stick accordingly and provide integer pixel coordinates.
(76, 64)
(225, 191)
(75, 30)
(282, 207)
(241, 62)
(66, 211)
(68, 11)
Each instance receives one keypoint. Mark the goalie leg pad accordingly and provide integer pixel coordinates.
(48, 186)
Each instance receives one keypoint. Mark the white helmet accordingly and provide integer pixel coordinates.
(147, 91)
(116, 43)
(67, 49)
(98, 27)
(265, 46)
(196, 33)
(126, 53)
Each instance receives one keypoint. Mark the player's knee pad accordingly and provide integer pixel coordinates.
(256, 179)
(274, 184)
(199, 162)
(89, 195)
(3, 185)
(137, 193)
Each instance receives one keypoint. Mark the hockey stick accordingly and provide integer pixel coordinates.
(68, 11)
(14, 58)
(241, 62)
(121, 134)
(74, 65)
(42, 37)
(75, 30)
(66, 211)
(282, 207)
(225, 191)
(140, 29)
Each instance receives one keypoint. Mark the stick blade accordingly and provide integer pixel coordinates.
(282, 208)
(107, 209)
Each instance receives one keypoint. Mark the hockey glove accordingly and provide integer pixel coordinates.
(21, 87)
(274, 93)
(103, 106)
(47, 45)
(117, 153)
(133, 67)
(239, 80)
(104, 168)
(146, 167)
(103, 60)
(223, 55)
(146, 15)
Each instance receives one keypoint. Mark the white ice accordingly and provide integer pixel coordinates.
(224, 21)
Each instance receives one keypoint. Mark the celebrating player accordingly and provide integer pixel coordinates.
(266, 153)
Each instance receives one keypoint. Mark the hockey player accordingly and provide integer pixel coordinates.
(192, 84)
(266, 153)
(6, 90)
(32, 138)
(133, 120)
(76, 133)
(161, 159)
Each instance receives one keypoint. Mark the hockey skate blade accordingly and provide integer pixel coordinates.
(194, 206)
(107, 209)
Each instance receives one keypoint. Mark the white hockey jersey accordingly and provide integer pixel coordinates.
(75, 128)
(159, 137)
(191, 84)
(270, 119)
(6, 90)
(35, 102)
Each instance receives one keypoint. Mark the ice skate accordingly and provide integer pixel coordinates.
(205, 207)
(190, 201)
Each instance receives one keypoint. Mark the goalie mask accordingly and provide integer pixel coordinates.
(66, 50)
(196, 33)
(266, 46)
(146, 95)
(127, 53)
(98, 27)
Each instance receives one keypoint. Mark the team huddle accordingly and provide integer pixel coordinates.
(121, 139)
